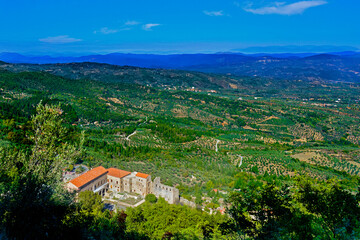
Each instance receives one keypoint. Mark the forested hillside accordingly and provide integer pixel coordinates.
(323, 89)
(175, 125)
(266, 142)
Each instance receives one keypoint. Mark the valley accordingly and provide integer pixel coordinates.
(209, 140)
(133, 126)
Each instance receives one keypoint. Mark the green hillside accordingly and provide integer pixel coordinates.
(176, 131)
(293, 88)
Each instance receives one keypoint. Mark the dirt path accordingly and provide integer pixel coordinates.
(128, 137)
(241, 159)
(216, 145)
(268, 118)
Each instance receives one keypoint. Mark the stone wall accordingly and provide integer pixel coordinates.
(186, 202)
(170, 194)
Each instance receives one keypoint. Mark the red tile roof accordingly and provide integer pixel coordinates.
(142, 175)
(88, 176)
(114, 172)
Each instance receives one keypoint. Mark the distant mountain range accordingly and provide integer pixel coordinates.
(164, 61)
(336, 66)
(297, 49)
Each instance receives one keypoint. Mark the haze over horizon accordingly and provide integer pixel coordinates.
(98, 27)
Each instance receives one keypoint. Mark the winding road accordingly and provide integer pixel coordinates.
(128, 137)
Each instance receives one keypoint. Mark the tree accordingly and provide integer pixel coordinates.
(151, 198)
(240, 122)
(50, 152)
(33, 200)
(308, 209)
(198, 199)
(210, 185)
(70, 168)
(90, 201)
(336, 210)
(267, 213)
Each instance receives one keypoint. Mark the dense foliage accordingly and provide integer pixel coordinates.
(305, 209)
(33, 198)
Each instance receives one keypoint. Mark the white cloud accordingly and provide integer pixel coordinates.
(131, 23)
(60, 39)
(286, 9)
(125, 27)
(214, 13)
(106, 30)
(149, 26)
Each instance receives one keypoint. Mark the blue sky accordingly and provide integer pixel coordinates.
(164, 26)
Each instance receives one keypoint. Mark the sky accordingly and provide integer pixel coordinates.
(66, 27)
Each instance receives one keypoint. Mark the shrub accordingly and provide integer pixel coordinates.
(80, 169)
(70, 168)
(151, 198)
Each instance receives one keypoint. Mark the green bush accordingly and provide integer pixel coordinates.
(80, 169)
(151, 198)
(70, 168)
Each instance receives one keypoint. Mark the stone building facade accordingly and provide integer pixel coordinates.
(115, 178)
(94, 180)
(142, 183)
(131, 182)
(127, 183)
(100, 180)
